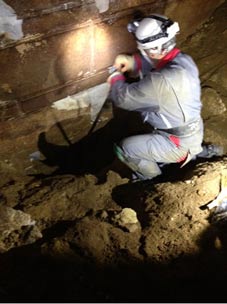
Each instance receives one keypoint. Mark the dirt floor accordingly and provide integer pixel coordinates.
(73, 227)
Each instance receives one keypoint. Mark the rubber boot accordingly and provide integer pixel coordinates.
(211, 151)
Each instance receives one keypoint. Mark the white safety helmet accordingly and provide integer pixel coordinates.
(153, 32)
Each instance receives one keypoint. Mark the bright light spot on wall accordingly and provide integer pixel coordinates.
(86, 50)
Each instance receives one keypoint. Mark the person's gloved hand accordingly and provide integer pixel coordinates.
(114, 76)
(124, 63)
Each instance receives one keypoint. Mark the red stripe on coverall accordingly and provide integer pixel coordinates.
(176, 141)
(168, 57)
(116, 78)
(138, 62)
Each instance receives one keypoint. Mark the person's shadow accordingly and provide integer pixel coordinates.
(94, 153)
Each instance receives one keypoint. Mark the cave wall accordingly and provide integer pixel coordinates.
(68, 45)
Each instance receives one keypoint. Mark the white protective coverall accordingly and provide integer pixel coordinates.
(168, 98)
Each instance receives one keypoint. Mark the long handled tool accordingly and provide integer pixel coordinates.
(98, 98)
(96, 119)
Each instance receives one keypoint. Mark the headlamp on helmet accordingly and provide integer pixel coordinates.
(132, 26)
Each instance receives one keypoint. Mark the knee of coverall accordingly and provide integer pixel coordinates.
(122, 156)
(143, 168)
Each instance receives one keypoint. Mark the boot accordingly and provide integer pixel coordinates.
(211, 150)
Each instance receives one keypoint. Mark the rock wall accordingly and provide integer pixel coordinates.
(68, 45)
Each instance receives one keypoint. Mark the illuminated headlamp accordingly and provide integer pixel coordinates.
(132, 26)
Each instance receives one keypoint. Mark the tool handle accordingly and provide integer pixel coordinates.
(112, 69)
